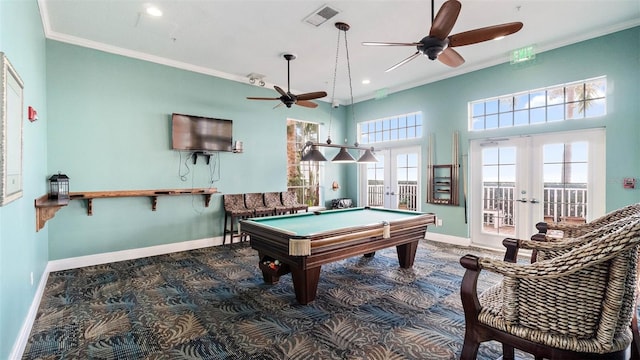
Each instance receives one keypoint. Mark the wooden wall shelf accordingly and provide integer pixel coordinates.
(46, 208)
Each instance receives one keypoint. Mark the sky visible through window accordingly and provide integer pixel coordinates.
(400, 127)
(563, 163)
(579, 100)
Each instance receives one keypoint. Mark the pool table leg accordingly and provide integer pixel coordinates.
(305, 283)
(406, 254)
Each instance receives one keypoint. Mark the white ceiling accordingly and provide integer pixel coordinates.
(233, 38)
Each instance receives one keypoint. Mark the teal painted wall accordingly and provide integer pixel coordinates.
(109, 129)
(444, 108)
(23, 250)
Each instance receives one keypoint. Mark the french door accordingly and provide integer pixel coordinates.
(518, 182)
(394, 181)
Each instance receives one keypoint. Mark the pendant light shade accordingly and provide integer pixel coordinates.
(313, 155)
(310, 150)
(343, 157)
(368, 157)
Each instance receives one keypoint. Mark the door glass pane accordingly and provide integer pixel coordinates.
(407, 180)
(565, 181)
(498, 184)
(375, 182)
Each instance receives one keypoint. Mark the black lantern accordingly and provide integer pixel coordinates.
(59, 187)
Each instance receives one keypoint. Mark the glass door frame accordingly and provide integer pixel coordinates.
(528, 196)
(390, 192)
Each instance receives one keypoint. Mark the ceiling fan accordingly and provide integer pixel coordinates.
(288, 98)
(439, 44)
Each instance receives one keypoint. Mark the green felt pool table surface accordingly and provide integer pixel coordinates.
(305, 224)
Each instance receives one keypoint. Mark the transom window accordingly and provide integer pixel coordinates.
(577, 100)
(302, 176)
(400, 127)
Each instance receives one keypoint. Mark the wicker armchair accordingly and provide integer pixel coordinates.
(273, 200)
(577, 305)
(234, 210)
(547, 247)
(290, 199)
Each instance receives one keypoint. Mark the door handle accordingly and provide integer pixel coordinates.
(534, 201)
(523, 200)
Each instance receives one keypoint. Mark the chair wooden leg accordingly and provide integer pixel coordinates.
(507, 352)
(469, 348)
(231, 230)
(224, 229)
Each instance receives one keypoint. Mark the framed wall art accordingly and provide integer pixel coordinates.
(11, 95)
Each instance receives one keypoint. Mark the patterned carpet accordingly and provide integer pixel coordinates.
(212, 303)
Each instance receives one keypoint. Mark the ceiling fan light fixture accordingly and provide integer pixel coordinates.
(433, 52)
(439, 43)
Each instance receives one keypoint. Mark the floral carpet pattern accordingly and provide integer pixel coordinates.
(212, 303)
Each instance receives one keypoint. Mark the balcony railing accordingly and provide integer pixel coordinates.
(406, 194)
(560, 203)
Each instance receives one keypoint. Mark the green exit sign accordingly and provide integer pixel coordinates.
(523, 54)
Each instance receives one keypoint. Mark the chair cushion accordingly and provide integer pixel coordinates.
(533, 318)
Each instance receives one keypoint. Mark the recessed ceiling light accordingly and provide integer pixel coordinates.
(154, 11)
(366, 82)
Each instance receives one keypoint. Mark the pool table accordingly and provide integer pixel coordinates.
(301, 243)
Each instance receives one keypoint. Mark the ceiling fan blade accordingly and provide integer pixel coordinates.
(311, 95)
(484, 34)
(279, 89)
(375, 43)
(445, 19)
(417, 53)
(451, 57)
(262, 98)
(305, 103)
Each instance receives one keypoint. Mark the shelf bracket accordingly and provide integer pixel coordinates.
(197, 153)
(44, 214)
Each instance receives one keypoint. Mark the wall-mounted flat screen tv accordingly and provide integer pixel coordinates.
(197, 133)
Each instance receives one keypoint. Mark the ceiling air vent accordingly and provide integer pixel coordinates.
(321, 15)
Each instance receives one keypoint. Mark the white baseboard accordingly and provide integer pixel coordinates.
(89, 260)
(81, 261)
(23, 336)
(449, 239)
